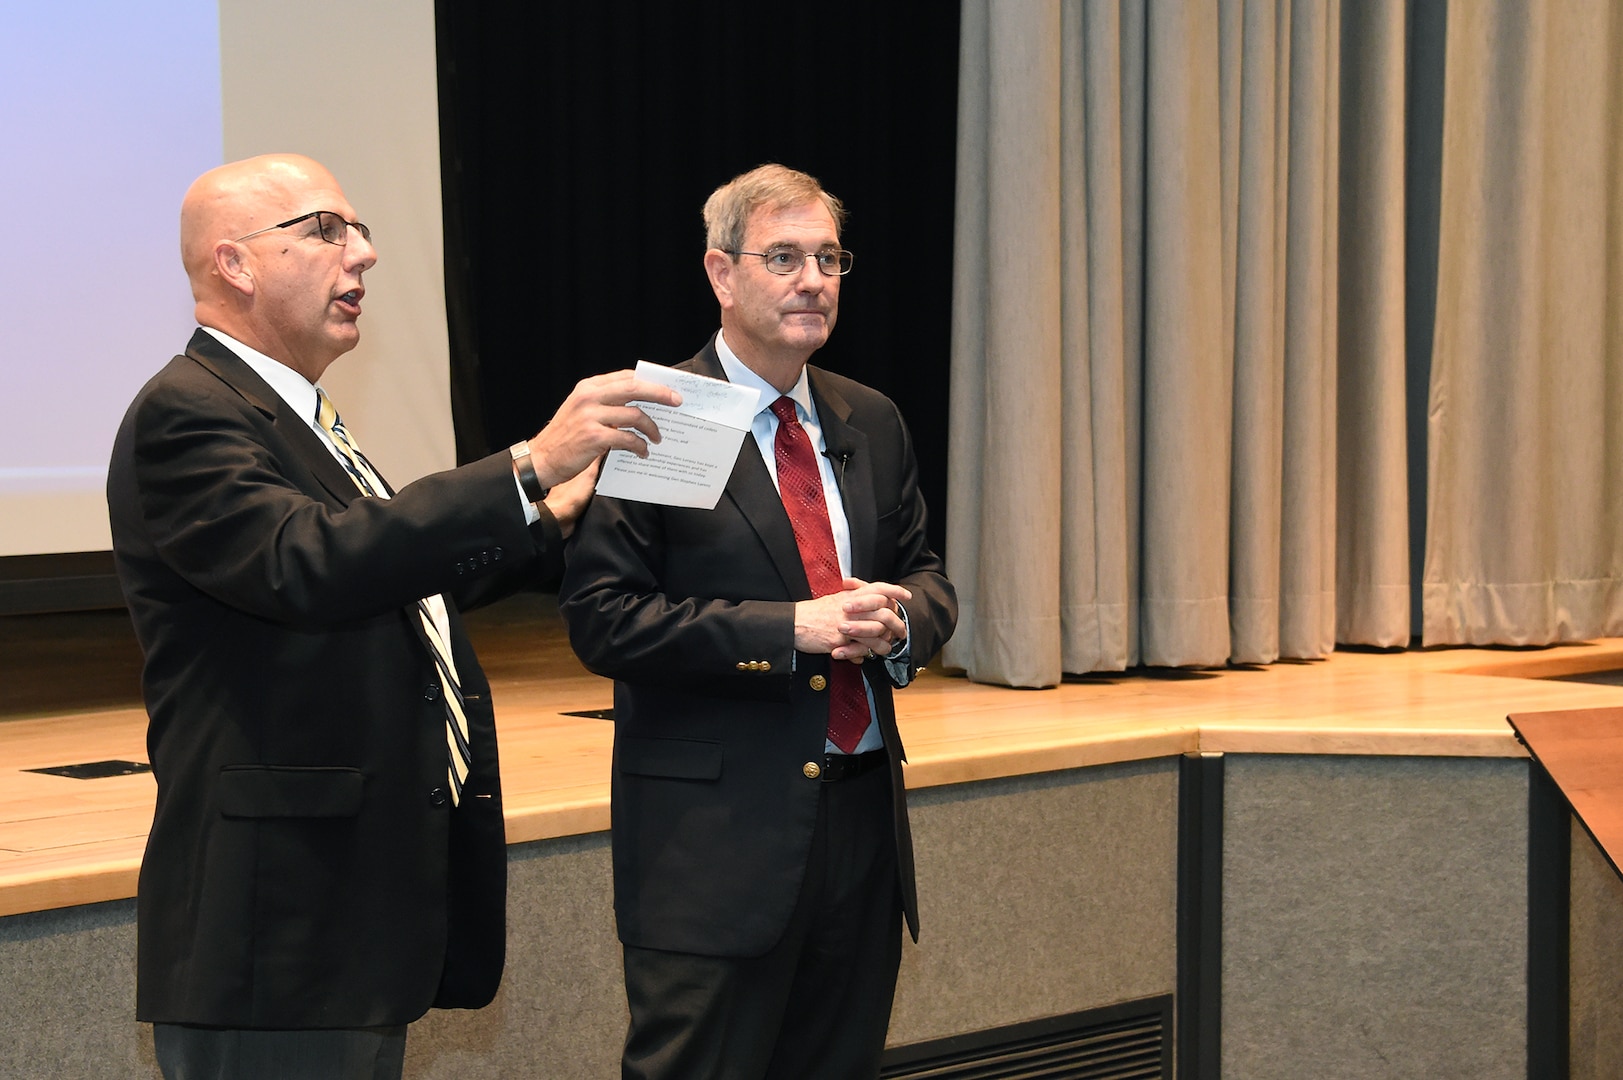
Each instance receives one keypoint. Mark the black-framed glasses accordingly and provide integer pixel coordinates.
(330, 226)
(787, 259)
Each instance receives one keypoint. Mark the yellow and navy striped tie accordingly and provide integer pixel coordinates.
(456, 720)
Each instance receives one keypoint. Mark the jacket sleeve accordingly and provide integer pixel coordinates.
(223, 494)
(909, 561)
(629, 620)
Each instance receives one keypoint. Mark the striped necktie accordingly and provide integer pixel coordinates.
(456, 720)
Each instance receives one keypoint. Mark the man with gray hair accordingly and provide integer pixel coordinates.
(762, 858)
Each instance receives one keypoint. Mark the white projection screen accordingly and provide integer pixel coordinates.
(108, 110)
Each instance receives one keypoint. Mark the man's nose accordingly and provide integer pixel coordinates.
(811, 277)
(359, 250)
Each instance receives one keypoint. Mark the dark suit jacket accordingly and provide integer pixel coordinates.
(305, 867)
(712, 813)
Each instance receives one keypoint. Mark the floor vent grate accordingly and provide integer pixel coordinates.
(95, 770)
(1120, 1042)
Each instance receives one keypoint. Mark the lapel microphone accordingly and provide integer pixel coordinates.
(841, 456)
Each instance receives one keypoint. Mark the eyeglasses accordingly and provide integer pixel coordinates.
(833, 262)
(331, 227)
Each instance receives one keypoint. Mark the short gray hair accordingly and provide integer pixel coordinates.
(769, 187)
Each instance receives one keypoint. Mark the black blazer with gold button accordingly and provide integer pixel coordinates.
(305, 868)
(691, 613)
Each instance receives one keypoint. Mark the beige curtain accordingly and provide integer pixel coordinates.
(1525, 504)
(1372, 523)
(1156, 457)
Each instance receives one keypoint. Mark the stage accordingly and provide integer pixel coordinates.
(72, 697)
(1362, 847)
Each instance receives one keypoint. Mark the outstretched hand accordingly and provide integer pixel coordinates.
(595, 418)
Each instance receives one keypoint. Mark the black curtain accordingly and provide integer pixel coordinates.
(578, 142)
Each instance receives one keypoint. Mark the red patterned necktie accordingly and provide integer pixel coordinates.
(801, 486)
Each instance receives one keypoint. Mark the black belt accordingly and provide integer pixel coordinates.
(847, 766)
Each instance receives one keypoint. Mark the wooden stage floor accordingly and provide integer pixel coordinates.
(71, 696)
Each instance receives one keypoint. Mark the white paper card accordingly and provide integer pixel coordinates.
(699, 442)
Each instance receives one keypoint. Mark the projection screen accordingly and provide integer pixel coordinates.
(108, 110)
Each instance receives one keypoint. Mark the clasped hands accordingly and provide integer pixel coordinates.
(594, 419)
(859, 622)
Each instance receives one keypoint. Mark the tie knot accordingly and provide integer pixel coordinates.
(784, 410)
(326, 411)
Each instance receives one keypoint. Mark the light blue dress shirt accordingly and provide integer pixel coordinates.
(764, 428)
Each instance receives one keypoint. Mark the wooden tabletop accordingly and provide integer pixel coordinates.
(1582, 750)
(66, 841)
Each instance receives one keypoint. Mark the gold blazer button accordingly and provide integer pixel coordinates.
(812, 770)
(817, 683)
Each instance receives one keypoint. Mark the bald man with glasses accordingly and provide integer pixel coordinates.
(327, 859)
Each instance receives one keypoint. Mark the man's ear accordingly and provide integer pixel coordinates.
(719, 267)
(232, 265)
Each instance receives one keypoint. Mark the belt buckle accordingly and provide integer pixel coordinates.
(838, 767)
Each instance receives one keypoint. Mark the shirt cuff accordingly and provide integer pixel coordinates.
(899, 661)
(531, 514)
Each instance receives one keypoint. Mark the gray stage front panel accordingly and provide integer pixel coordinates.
(68, 1003)
(561, 1010)
(1374, 918)
(1374, 921)
(68, 1009)
(1040, 895)
(1596, 960)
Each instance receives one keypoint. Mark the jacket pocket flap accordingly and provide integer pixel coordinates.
(683, 759)
(285, 791)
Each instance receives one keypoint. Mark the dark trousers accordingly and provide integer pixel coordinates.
(818, 1004)
(185, 1052)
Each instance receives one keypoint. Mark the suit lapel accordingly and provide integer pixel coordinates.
(751, 490)
(853, 470)
(232, 370)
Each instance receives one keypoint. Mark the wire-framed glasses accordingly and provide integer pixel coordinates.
(788, 259)
(330, 226)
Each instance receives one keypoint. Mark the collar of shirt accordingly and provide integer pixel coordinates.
(298, 392)
(765, 429)
(740, 374)
(300, 395)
